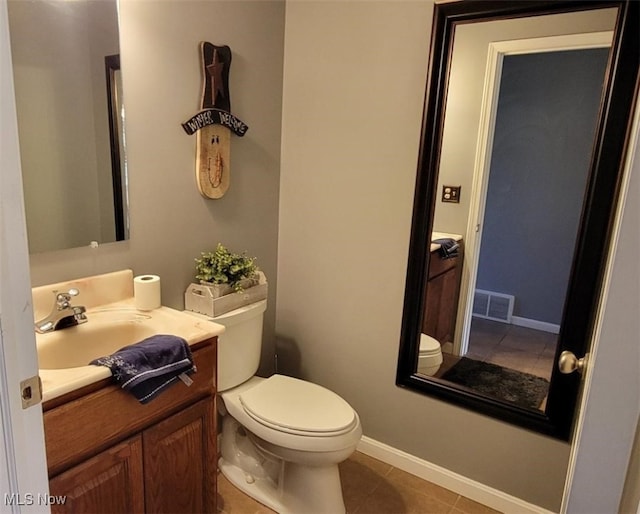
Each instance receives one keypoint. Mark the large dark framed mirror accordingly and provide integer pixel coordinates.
(527, 113)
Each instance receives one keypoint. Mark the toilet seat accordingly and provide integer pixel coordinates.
(429, 346)
(306, 441)
(298, 407)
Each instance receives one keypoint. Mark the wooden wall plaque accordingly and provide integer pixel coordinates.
(214, 124)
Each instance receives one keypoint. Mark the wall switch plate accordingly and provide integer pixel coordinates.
(451, 194)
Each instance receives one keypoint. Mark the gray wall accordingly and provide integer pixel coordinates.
(631, 493)
(545, 124)
(353, 90)
(171, 223)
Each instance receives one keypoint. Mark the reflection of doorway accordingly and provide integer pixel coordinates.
(540, 154)
(545, 124)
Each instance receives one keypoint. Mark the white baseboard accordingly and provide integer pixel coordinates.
(449, 480)
(535, 324)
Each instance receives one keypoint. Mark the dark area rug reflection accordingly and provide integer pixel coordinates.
(523, 389)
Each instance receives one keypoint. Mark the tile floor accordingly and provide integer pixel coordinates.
(523, 349)
(369, 487)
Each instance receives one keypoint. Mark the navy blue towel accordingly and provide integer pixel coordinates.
(150, 366)
(448, 247)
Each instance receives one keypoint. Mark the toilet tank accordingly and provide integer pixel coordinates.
(240, 344)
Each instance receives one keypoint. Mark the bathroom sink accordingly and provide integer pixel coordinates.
(106, 332)
(113, 321)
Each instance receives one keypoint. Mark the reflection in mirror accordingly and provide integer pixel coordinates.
(116, 139)
(514, 197)
(543, 125)
(63, 121)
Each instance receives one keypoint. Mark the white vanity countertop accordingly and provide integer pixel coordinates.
(443, 235)
(56, 382)
(109, 301)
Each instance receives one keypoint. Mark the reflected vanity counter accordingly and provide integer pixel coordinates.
(443, 235)
(442, 292)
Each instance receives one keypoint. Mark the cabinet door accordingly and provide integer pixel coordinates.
(110, 483)
(180, 462)
(440, 307)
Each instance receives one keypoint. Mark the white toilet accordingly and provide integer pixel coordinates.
(430, 355)
(282, 438)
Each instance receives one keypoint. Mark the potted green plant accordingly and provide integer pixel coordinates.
(226, 272)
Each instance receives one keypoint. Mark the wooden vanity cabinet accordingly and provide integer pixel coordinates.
(179, 464)
(109, 454)
(441, 296)
(110, 482)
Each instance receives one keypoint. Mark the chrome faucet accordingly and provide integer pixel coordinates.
(63, 314)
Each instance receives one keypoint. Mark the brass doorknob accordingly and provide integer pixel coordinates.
(568, 363)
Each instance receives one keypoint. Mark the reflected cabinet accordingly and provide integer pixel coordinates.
(441, 296)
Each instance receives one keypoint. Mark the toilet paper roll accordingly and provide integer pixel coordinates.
(146, 292)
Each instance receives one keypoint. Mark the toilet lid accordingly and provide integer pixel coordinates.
(429, 345)
(295, 406)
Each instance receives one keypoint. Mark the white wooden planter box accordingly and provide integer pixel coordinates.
(216, 299)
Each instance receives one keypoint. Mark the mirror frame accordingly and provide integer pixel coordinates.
(111, 66)
(596, 223)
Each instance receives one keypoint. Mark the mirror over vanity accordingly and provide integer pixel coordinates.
(70, 121)
(527, 110)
